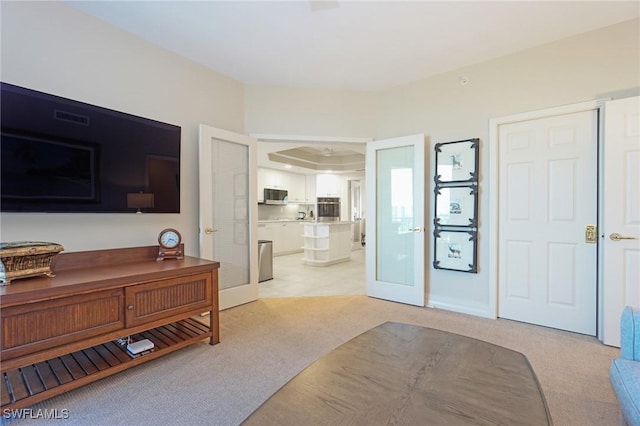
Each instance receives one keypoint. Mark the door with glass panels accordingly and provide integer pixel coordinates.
(228, 212)
(395, 260)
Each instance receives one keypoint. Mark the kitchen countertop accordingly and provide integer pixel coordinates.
(286, 220)
(306, 221)
(335, 222)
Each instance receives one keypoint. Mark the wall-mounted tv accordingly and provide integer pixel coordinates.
(61, 155)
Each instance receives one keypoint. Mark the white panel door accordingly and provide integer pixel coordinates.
(229, 212)
(395, 258)
(548, 194)
(621, 225)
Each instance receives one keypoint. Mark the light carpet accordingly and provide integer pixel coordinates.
(267, 342)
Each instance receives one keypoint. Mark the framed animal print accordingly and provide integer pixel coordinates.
(457, 162)
(455, 250)
(456, 205)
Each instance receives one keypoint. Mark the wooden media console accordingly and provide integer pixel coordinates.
(60, 333)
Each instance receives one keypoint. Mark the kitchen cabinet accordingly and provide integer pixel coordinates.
(265, 232)
(285, 235)
(310, 189)
(268, 179)
(294, 183)
(271, 178)
(328, 185)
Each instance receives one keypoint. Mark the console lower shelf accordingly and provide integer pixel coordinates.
(34, 383)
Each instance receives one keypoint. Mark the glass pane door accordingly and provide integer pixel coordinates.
(395, 249)
(395, 226)
(230, 215)
(228, 212)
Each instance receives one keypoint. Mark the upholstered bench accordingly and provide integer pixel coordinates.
(625, 371)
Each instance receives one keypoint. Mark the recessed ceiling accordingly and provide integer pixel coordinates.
(359, 45)
(312, 155)
(320, 158)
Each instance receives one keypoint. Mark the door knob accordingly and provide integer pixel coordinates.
(416, 229)
(210, 230)
(617, 237)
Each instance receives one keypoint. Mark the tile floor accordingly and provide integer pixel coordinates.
(292, 278)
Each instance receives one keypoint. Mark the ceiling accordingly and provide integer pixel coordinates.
(348, 44)
(341, 155)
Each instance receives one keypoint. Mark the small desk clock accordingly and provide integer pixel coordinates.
(169, 241)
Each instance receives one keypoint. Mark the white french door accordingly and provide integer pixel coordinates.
(547, 197)
(620, 234)
(395, 236)
(228, 212)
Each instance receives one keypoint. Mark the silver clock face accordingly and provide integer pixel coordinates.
(170, 239)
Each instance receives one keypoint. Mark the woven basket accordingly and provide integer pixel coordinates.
(21, 259)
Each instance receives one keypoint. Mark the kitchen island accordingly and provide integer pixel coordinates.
(326, 243)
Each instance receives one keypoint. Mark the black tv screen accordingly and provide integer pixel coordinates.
(61, 155)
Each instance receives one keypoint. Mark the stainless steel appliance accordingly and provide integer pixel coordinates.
(265, 260)
(328, 209)
(276, 196)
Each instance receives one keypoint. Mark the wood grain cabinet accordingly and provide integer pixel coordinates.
(162, 299)
(60, 333)
(34, 327)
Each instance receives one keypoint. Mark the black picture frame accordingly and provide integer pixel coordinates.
(457, 162)
(456, 206)
(455, 250)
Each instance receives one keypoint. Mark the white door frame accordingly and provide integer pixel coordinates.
(494, 167)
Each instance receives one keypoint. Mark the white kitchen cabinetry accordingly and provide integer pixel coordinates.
(268, 178)
(261, 184)
(264, 232)
(294, 183)
(272, 178)
(285, 235)
(327, 243)
(310, 189)
(328, 185)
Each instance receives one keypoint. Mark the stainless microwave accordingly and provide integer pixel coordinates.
(276, 196)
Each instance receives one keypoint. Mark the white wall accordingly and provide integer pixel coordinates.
(603, 63)
(309, 112)
(50, 47)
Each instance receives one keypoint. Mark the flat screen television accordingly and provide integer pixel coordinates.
(61, 155)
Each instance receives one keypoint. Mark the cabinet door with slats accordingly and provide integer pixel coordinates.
(159, 300)
(34, 327)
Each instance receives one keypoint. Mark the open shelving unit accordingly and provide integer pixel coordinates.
(71, 370)
(326, 244)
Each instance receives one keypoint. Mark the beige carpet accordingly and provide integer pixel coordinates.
(265, 343)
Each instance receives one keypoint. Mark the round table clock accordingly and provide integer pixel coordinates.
(170, 244)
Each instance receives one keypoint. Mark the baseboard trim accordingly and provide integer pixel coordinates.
(478, 312)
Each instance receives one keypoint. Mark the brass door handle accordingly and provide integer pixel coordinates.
(210, 230)
(617, 237)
